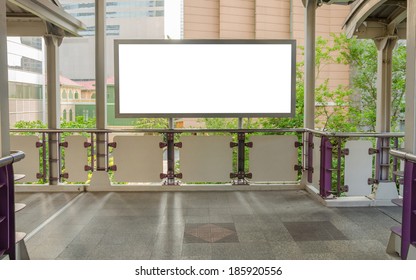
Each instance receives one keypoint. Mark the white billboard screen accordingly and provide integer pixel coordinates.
(201, 78)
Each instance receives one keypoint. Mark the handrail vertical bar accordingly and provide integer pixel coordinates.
(44, 157)
(12, 223)
(171, 158)
(92, 152)
(409, 206)
(326, 167)
(310, 148)
(395, 161)
(339, 156)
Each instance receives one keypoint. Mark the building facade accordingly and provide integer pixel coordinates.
(265, 19)
(26, 79)
(126, 19)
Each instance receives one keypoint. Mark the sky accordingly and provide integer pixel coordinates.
(173, 22)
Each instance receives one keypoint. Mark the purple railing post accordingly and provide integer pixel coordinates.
(326, 167)
(12, 227)
(310, 157)
(409, 208)
(4, 211)
(7, 223)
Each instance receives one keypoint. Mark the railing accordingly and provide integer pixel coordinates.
(14, 157)
(407, 231)
(237, 156)
(349, 161)
(165, 142)
(7, 206)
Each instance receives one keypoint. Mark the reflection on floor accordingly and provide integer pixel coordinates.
(203, 225)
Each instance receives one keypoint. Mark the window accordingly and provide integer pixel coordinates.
(70, 115)
(34, 42)
(71, 95)
(25, 91)
(76, 95)
(64, 95)
(31, 65)
(64, 115)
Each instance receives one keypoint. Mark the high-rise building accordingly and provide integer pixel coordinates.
(126, 19)
(26, 79)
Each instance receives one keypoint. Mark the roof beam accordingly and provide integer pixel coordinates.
(49, 12)
(396, 20)
(26, 28)
(360, 14)
(376, 29)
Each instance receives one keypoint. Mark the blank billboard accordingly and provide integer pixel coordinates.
(205, 78)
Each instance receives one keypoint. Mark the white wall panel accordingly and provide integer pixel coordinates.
(273, 158)
(206, 158)
(358, 167)
(76, 157)
(316, 157)
(29, 166)
(138, 158)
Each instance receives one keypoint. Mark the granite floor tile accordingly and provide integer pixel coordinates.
(152, 226)
(285, 250)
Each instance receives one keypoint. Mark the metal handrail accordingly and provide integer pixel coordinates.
(144, 130)
(403, 155)
(355, 134)
(203, 130)
(14, 157)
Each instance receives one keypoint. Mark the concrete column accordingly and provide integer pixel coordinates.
(310, 21)
(309, 91)
(385, 48)
(100, 83)
(54, 105)
(410, 117)
(100, 177)
(4, 84)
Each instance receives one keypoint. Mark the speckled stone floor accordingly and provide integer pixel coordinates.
(202, 225)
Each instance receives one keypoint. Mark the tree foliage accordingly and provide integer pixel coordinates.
(348, 107)
(155, 123)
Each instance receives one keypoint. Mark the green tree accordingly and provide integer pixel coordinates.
(361, 55)
(29, 125)
(155, 123)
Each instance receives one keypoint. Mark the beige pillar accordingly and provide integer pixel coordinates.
(4, 84)
(52, 43)
(385, 48)
(100, 83)
(100, 177)
(410, 119)
(310, 21)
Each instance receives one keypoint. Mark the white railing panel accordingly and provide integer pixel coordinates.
(76, 158)
(29, 166)
(273, 158)
(206, 158)
(358, 167)
(138, 158)
(316, 159)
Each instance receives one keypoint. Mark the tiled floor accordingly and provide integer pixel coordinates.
(39, 207)
(208, 225)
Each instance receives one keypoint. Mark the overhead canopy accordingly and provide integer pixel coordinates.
(372, 19)
(40, 17)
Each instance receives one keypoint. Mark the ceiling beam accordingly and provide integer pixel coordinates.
(396, 20)
(51, 13)
(359, 14)
(26, 28)
(375, 29)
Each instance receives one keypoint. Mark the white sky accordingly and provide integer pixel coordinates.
(173, 10)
